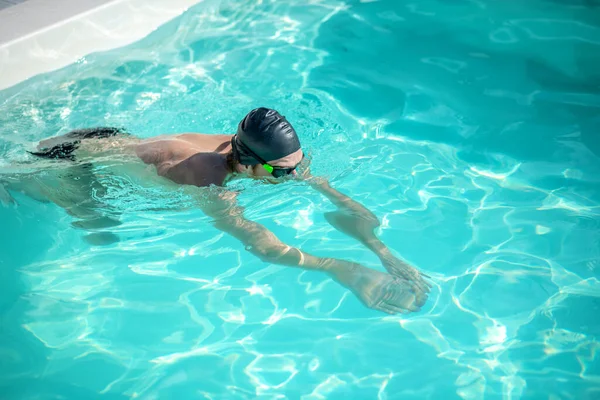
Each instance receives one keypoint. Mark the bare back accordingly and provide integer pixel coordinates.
(189, 158)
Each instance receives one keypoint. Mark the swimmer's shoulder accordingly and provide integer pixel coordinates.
(200, 169)
(174, 149)
(208, 140)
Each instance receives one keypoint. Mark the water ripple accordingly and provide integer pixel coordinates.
(466, 126)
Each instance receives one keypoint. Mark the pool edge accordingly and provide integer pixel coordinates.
(39, 36)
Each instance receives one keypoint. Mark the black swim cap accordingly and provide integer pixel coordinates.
(267, 134)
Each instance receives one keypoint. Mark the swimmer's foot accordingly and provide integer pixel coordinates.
(378, 290)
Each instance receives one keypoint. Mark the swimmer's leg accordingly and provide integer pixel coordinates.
(81, 198)
(5, 197)
(24, 183)
(76, 189)
(63, 146)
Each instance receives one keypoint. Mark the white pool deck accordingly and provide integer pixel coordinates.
(38, 36)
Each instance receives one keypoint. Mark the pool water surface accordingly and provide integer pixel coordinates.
(469, 128)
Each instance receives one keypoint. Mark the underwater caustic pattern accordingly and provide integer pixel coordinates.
(470, 128)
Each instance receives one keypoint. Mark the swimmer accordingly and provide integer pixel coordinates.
(265, 147)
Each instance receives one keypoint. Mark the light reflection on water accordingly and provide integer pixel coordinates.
(467, 127)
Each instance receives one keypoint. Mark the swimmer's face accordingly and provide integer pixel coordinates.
(284, 168)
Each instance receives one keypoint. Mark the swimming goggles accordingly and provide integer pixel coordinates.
(277, 172)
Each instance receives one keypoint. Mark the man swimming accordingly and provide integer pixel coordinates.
(265, 147)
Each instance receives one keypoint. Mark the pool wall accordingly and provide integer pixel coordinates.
(38, 36)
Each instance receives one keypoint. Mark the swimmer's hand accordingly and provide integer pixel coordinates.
(356, 221)
(401, 269)
(378, 290)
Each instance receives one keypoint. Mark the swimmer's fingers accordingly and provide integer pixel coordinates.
(391, 309)
(420, 299)
(425, 276)
(398, 297)
(400, 269)
(423, 284)
(417, 282)
(395, 308)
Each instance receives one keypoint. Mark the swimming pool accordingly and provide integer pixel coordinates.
(468, 127)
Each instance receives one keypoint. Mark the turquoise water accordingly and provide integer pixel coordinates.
(470, 128)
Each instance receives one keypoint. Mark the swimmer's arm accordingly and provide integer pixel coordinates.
(357, 221)
(353, 218)
(375, 289)
(228, 217)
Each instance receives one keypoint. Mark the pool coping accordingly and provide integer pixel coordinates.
(39, 36)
